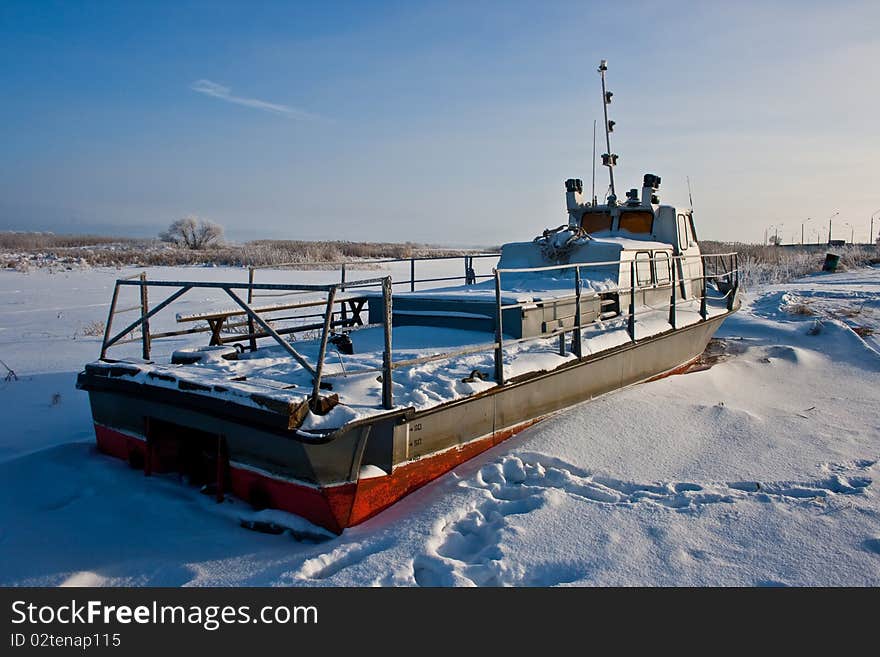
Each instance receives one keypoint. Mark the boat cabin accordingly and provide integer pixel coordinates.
(657, 243)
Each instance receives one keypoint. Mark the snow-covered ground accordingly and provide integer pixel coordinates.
(758, 471)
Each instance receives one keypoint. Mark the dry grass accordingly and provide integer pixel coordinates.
(23, 251)
(94, 328)
(769, 264)
(17, 241)
(799, 309)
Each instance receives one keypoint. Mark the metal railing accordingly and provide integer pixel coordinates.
(469, 275)
(722, 270)
(254, 317)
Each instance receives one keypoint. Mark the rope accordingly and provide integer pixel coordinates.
(557, 252)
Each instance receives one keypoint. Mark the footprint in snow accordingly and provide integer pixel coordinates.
(466, 550)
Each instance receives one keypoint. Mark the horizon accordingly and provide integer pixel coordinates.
(434, 123)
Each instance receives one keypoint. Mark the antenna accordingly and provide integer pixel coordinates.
(690, 196)
(594, 163)
(609, 159)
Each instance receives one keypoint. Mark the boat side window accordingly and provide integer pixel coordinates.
(594, 222)
(643, 268)
(661, 267)
(682, 232)
(637, 222)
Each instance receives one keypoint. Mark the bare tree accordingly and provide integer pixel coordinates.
(193, 233)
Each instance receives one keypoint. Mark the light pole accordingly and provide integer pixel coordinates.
(776, 239)
(829, 225)
(871, 238)
(852, 231)
(802, 229)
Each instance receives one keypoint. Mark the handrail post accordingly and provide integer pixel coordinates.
(412, 274)
(470, 276)
(733, 276)
(322, 351)
(576, 334)
(387, 320)
(672, 316)
(499, 332)
(110, 315)
(704, 314)
(342, 287)
(252, 330)
(145, 324)
(632, 300)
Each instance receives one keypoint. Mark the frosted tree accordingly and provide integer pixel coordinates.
(193, 233)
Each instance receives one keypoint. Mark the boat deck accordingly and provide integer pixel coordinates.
(269, 375)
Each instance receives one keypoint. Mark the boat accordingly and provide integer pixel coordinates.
(336, 400)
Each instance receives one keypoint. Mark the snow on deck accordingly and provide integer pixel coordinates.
(525, 287)
(270, 372)
(522, 287)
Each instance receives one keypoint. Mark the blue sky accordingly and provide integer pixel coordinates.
(442, 122)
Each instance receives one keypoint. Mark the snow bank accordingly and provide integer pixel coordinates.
(759, 471)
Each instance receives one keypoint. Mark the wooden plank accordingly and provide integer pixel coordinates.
(199, 317)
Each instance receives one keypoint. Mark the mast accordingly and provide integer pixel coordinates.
(594, 164)
(609, 159)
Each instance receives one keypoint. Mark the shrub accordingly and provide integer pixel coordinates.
(193, 233)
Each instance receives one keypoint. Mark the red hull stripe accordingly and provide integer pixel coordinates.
(378, 493)
(333, 507)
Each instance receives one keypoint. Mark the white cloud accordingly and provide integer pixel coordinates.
(209, 88)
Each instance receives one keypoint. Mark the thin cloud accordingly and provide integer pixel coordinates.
(209, 88)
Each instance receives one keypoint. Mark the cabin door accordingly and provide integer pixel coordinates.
(690, 265)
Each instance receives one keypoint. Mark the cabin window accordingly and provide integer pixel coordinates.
(661, 267)
(693, 230)
(643, 268)
(682, 232)
(593, 222)
(637, 222)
